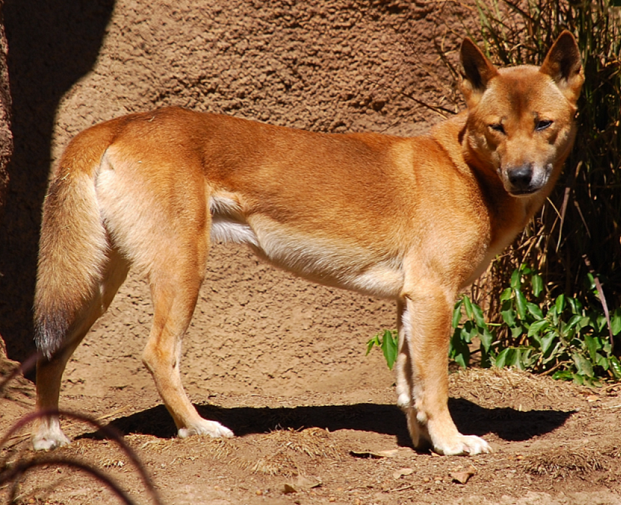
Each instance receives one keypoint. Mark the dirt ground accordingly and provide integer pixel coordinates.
(554, 443)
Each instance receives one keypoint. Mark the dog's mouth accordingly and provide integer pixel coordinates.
(523, 192)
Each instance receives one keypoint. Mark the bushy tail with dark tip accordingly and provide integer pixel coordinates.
(73, 245)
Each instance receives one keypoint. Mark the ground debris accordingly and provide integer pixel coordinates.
(463, 476)
(301, 483)
(374, 454)
(561, 462)
(402, 472)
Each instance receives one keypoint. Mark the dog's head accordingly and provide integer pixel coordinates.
(521, 119)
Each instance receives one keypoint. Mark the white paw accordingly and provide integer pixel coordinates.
(464, 445)
(211, 428)
(403, 401)
(49, 439)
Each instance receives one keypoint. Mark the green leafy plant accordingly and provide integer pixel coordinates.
(388, 342)
(555, 336)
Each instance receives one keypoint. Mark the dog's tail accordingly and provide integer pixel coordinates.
(74, 242)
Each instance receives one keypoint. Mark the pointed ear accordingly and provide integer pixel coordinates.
(479, 71)
(564, 65)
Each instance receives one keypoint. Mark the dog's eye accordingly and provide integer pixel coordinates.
(543, 124)
(497, 127)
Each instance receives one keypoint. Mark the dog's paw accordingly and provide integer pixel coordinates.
(211, 428)
(48, 440)
(464, 445)
(404, 401)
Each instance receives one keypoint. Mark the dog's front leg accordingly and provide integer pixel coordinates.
(422, 373)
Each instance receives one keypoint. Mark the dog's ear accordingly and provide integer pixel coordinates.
(564, 65)
(479, 71)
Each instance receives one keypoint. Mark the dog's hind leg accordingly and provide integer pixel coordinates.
(174, 289)
(422, 378)
(47, 433)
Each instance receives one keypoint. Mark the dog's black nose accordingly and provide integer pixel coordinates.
(521, 177)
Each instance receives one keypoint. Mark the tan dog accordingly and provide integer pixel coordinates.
(413, 219)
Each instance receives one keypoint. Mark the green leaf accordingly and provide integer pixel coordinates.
(583, 365)
(592, 345)
(388, 342)
(374, 341)
(576, 306)
(468, 307)
(508, 316)
(592, 285)
(536, 337)
(615, 367)
(462, 359)
(516, 331)
(513, 357)
(465, 335)
(538, 327)
(390, 347)
(507, 357)
(506, 295)
(475, 331)
(537, 282)
(486, 340)
(565, 375)
(578, 379)
(520, 302)
(525, 359)
(516, 280)
(602, 361)
(478, 316)
(459, 350)
(546, 342)
(552, 315)
(615, 322)
(560, 304)
(573, 323)
(457, 313)
(534, 310)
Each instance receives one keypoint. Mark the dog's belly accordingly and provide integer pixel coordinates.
(323, 260)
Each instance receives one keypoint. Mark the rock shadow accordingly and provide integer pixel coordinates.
(51, 46)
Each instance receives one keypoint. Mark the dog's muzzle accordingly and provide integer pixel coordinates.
(526, 179)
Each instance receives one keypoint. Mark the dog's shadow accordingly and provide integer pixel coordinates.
(509, 424)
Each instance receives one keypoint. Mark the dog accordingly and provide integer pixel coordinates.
(412, 219)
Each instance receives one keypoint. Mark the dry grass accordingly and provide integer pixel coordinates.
(278, 463)
(561, 463)
(287, 450)
(314, 442)
(508, 387)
